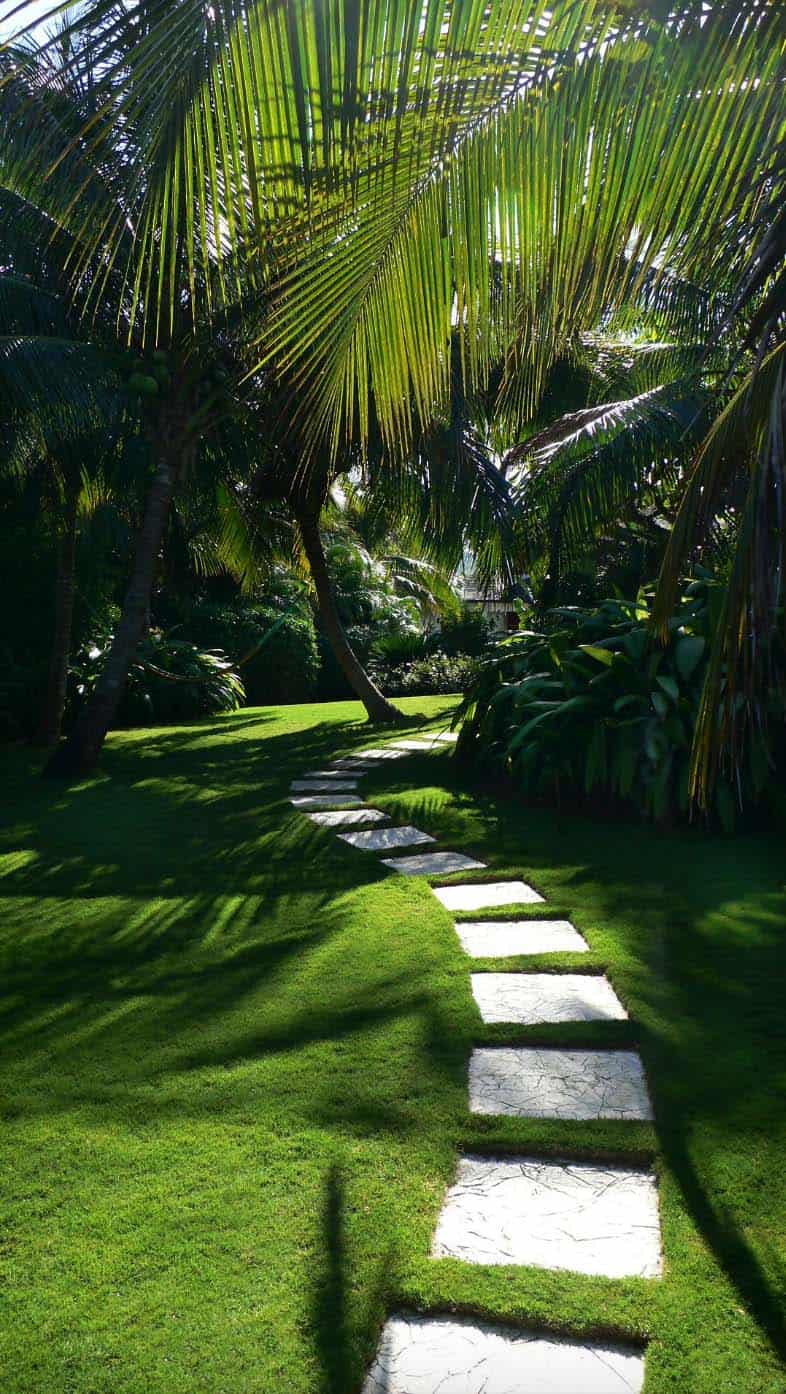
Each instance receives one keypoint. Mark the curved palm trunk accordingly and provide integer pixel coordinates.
(51, 718)
(79, 755)
(377, 706)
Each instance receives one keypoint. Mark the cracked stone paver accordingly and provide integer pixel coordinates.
(352, 817)
(481, 896)
(581, 1216)
(530, 998)
(306, 802)
(456, 1355)
(385, 839)
(323, 786)
(510, 938)
(542, 1082)
(433, 864)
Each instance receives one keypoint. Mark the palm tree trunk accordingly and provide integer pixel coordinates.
(51, 718)
(378, 707)
(79, 755)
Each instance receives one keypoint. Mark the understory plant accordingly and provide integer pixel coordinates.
(432, 674)
(169, 680)
(286, 668)
(590, 705)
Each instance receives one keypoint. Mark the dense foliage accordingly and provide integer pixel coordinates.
(578, 377)
(589, 705)
(433, 674)
(440, 660)
(277, 648)
(170, 680)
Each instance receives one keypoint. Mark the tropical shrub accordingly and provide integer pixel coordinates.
(469, 632)
(419, 663)
(171, 680)
(436, 673)
(286, 668)
(589, 704)
(392, 651)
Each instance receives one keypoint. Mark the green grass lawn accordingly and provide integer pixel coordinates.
(234, 1071)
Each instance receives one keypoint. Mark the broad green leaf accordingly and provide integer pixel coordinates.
(602, 655)
(688, 653)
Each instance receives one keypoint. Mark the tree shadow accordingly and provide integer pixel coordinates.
(334, 1328)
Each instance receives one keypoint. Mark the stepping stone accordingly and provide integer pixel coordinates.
(458, 1355)
(433, 864)
(527, 1082)
(530, 998)
(582, 1216)
(480, 895)
(382, 752)
(352, 818)
(509, 938)
(332, 774)
(414, 745)
(323, 786)
(385, 839)
(351, 763)
(306, 803)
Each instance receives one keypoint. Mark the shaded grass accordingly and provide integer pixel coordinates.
(234, 1079)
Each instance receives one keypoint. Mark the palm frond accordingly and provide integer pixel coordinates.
(582, 473)
(749, 436)
(578, 192)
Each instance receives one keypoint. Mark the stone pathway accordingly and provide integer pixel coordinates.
(583, 1216)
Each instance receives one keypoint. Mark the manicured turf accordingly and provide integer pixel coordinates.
(234, 1071)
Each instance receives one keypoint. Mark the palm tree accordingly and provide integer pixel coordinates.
(387, 157)
(59, 417)
(744, 452)
(53, 98)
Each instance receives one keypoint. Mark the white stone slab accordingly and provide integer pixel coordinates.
(353, 817)
(456, 1355)
(386, 839)
(306, 802)
(323, 786)
(530, 998)
(332, 773)
(423, 744)
(351, 763)
(510, 938)
(541, 1082)
(382, 752)
(582, 1216)
(433, 864)
(480, 896)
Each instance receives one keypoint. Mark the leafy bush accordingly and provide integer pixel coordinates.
(394, 650)
(437, 673)
(286, 669)
(590, 705)
(469, 632)
(420, 663)
(152, 698)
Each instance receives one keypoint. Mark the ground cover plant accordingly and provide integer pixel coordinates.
(234, 1070)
